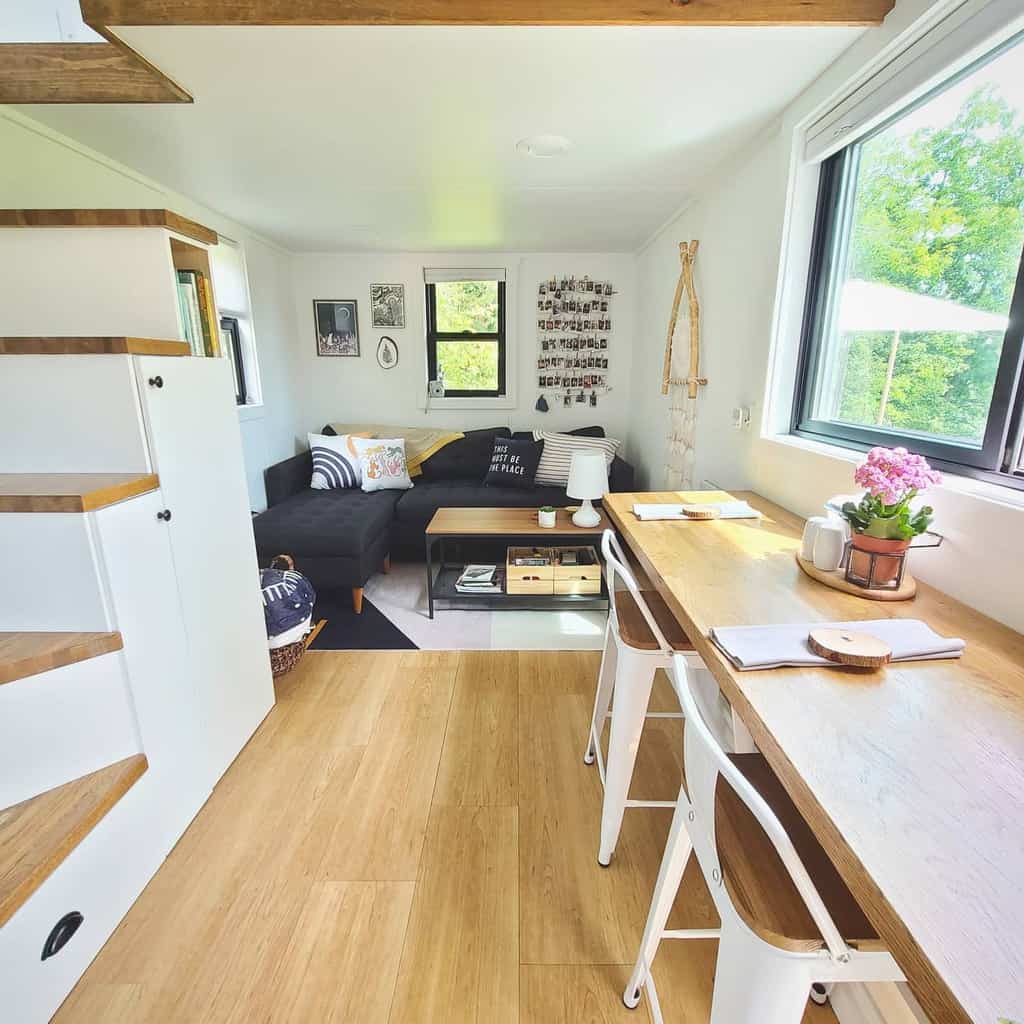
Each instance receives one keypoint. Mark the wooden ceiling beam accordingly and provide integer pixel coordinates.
(81, 73)
(485, 12)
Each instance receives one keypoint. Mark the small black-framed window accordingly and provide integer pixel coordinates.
(466, 336)
(913, 329)
(232, 344)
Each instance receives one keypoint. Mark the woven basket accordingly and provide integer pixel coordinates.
(284, 659)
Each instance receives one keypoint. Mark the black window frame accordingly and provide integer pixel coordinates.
(994, 461)
(434, 336)
(230, 324)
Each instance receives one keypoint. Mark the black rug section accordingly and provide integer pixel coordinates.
(346, 631)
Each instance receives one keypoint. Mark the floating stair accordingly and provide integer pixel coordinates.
(70, 492)
(92, 347)
(38, 834)
(28, 654)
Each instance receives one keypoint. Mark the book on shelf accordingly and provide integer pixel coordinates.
(480, 579)
(198, 315)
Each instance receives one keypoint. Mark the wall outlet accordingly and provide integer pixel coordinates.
(741, 417)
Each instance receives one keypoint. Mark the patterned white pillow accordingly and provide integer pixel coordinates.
(335, 462)
(559, 449)
(383, 465)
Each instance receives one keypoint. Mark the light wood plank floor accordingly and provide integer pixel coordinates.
(411, 837)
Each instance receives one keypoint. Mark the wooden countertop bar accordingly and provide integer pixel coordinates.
(911, 776)
(70, 492)
(27, 654)
(92, 346)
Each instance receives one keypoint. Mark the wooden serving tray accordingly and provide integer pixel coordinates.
(837, 581)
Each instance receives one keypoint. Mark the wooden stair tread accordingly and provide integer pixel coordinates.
(92, 346)
(758, 883)
(104, 218)
(38, 834)
(633, 626)
(27, 654)
(70, 492)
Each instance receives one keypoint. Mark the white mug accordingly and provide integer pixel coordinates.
(829, 543)
(810, 532)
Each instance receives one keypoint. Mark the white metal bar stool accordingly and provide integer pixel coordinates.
(788, 919)
(642, 635)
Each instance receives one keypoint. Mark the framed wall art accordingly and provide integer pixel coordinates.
(337, 327)
(387, 353)
(387, 305)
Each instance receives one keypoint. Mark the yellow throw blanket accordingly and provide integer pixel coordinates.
(420, 442)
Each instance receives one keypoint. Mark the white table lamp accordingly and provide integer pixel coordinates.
(588, 479)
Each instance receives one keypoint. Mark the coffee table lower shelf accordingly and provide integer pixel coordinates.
(442, 588)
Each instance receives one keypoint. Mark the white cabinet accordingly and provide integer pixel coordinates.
(197, 452)
(171, 568)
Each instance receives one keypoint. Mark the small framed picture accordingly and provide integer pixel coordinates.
(337, 327)
(387, 353)
(387, 305)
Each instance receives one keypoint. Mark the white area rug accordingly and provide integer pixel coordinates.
(402, 596)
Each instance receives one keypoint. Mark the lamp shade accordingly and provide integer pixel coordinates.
(588, 475)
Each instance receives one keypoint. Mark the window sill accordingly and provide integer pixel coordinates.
(436, 404)
(1009, 497)
(255, 411)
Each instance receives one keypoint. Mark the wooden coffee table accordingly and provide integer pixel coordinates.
(512, 525)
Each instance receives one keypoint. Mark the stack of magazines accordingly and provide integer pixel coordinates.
(480, 579)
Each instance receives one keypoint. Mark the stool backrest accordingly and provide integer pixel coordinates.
(615, 562)
(705, 761)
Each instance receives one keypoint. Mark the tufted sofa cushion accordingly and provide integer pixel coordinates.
(335, 522)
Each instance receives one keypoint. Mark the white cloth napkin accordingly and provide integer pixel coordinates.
(755, 647)
(726, 510)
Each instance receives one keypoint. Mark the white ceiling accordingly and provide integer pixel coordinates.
(404, 138)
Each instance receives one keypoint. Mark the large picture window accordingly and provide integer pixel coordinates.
(915, 310)
(466, 333)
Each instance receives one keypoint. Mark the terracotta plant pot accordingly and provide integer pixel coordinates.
(886, 569)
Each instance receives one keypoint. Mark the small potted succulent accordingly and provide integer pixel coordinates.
(883, 523)
(546, 517)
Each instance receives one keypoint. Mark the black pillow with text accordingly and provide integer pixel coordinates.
(513, 463)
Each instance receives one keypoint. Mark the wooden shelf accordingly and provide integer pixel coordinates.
(38, 834)
(108, 219)
(92, 346)
(27, 654)
(70, 492)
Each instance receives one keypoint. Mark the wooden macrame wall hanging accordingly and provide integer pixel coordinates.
(683, 422)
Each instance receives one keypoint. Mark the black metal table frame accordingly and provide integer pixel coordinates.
(505, 601)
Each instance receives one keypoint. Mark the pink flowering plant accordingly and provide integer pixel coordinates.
(893, 477)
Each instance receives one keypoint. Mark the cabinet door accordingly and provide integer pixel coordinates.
(135, 552)
(192, 425)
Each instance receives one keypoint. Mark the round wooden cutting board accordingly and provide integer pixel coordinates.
(849, 648)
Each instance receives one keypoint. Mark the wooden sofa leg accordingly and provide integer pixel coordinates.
(357, 600)
(387, 563)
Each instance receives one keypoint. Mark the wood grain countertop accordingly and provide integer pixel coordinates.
(912, 776)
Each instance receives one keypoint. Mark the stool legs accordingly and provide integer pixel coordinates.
(634, 678)
(756, 983)
(603, 697)
(677, 854)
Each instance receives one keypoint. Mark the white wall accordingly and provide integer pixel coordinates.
(344, 389)
(750, 274)
(40, 168)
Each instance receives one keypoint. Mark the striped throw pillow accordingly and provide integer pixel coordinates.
(559, 449)
(335, 462)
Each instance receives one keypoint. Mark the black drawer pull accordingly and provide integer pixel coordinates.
(61, 934)
(165, 515)
(156, 382)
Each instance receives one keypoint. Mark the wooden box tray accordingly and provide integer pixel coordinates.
(529, 579)
(577, 579)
